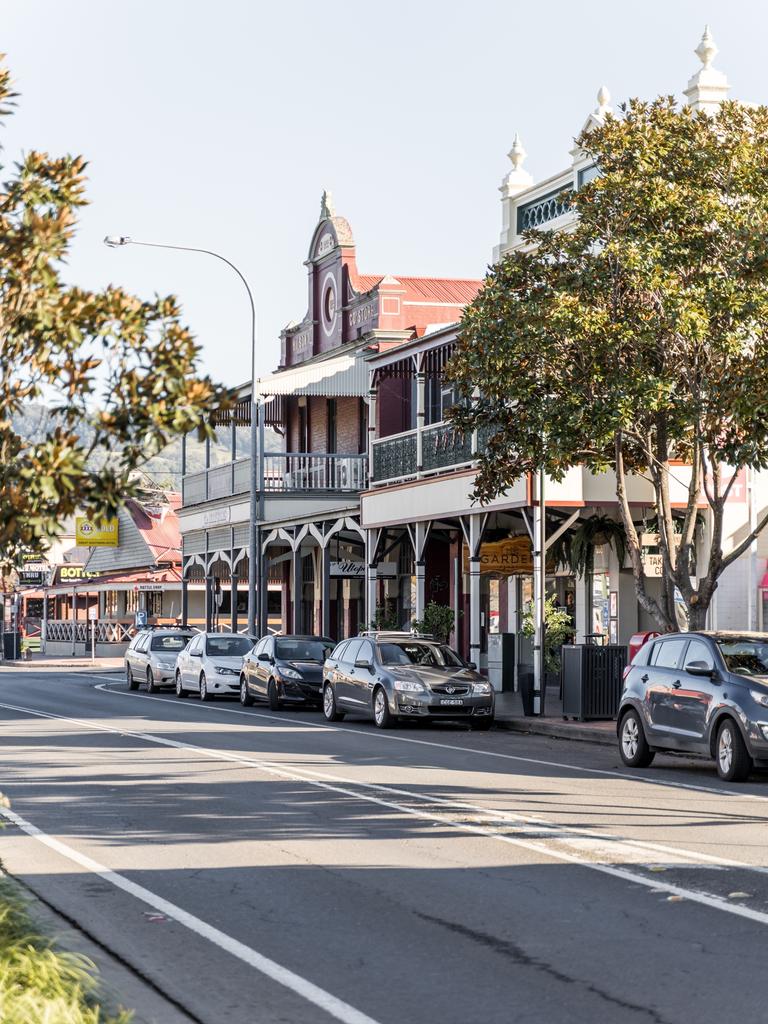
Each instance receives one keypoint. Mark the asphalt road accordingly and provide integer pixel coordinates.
(265, 867)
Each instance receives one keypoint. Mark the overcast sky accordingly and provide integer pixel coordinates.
(218, 124)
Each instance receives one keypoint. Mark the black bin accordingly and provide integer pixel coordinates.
(12, 646)
(592, 680)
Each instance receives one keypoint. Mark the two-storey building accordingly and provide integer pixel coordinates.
(315, 460)
(427, 538)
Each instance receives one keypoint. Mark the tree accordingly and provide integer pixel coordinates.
(638, 336)
(118, 373)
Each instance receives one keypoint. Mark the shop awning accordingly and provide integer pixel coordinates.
(162, 579)
(335, 377)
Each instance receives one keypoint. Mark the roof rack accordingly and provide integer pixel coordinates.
(396, 634)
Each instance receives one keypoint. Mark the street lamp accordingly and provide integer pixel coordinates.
(257, 453)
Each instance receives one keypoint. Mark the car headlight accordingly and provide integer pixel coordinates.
(760, 697)
(226, 671)
(409, 686)
(481, 688)
(290, 673)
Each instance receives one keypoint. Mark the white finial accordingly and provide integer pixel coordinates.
(603, 100)
(706, 51)
(326, 205)
(517, 154)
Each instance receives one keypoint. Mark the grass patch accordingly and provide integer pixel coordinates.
(38, 983)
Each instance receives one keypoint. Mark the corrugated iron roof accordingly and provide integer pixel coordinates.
(429, 289)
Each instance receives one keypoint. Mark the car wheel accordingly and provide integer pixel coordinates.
(204, 694)
(245, 698)
(330, 710)
(180, 691)
(132, 684)
(633, 746)
(151, 688)
(382, 716)
(481, 724)
(274, 701)
(733, 761)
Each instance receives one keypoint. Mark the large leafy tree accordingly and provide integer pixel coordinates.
(119, 374)
(636, 340)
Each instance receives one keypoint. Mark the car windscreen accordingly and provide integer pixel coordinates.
(227, 646)
(744, 657)
(411, 653)
(173, 642)
(302, 650)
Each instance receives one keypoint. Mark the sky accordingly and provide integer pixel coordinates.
(218, 125)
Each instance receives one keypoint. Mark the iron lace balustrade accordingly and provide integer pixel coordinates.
(539, 211)
(444, 445)
(394, 457)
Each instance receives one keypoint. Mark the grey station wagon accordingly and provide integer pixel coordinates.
(393, 676)
(701, 693)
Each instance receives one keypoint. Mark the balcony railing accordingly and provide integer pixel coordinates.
(298, 471)
(442, 447)
(394, 457)
(284, 472)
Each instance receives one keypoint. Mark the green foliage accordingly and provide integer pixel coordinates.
(639, 336)
(37, 981)
(385, 618)
(123, 367)
(438, 621)
(577, 549)
(558, 630)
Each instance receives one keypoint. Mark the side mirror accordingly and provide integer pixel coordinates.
(472, 665)
(265, 657)
(699, 668)
(364, 663)
(195, 654)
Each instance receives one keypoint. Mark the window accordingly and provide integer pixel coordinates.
(409, 653)
(170, 642)
(131, 602)
(331, 436)
(698, 650)
(350, 655)
(303, 439)
(302, 650)
(366, 652)
(666, 654)
(197, 645)
(142, 643)
(338, 651)
(744, 657)
(110, 604)
(227, 646)
(362, 427)
(154, 604)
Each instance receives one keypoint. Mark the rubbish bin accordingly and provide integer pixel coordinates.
(11, 645)
(592, 680)
(501, 661)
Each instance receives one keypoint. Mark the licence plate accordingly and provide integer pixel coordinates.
(451, 700)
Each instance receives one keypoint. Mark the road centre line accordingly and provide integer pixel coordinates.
(538, 846)
(335, 1007)
(647, 780)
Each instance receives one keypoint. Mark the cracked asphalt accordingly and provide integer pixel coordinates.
(409, 877)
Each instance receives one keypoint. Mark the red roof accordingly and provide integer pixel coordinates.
(160, 529)
(430, 289)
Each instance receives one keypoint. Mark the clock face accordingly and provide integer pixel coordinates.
(329, 301)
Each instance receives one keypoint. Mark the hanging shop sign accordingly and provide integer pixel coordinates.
(96, 533)
(33, 572)
(349, 569)
(72, 573)
(509, 557)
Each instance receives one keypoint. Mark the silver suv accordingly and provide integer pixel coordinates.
(151, 657)
(393, 676)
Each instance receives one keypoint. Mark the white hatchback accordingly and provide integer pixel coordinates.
(211, 663)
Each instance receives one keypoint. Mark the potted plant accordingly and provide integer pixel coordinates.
(576, 549)
(558, 630)
(437, 621)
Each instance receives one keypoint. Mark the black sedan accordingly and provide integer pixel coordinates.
(285, 670)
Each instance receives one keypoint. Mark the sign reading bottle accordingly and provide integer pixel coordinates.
(510, 557)
(96, 533)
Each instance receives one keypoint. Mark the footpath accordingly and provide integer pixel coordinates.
(44, 662)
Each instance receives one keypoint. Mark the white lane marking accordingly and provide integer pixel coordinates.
(333, 1006)
(647, 779)
(541, 846)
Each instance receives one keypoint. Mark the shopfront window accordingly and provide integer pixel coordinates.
(110, 604)
(600, 604)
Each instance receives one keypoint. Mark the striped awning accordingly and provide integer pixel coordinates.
(335, 377)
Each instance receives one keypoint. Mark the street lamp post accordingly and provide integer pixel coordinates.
(254, 532)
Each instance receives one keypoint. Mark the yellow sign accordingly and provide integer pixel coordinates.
(91, 533)
(510, 557)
